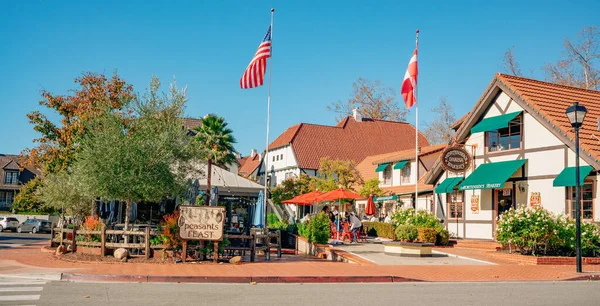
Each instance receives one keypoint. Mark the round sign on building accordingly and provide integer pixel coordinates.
(456, 159)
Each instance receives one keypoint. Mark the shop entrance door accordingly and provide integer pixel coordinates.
(504, 200)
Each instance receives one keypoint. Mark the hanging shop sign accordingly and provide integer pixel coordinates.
(386, 198)
(535, 199)
(475, 203)
(456, 159)
(201, 222)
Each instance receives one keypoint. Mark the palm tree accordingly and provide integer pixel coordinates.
(216, 140)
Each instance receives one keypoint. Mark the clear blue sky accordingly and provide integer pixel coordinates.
(319, 49)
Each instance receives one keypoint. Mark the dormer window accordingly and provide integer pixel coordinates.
(387, 175)
(508, 138)
(406, 174)
(11, 178)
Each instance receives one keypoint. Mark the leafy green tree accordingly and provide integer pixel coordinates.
(216, 140)
(139, 155)
(27, 199)
(59, 143)
(290, 188)
(338, 173)
(65, 192)
(371, 186)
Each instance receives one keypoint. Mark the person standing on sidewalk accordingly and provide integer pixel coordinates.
(355, 225)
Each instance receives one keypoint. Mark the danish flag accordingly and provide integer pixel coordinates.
(409, 84)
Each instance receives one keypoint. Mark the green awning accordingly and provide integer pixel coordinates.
(491, 175)
(567, 176)
(494, 123)
(448, 184)
(381, 167)
(400, 164)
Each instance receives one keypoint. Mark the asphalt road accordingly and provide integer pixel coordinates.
(546, 293)
(11, 240)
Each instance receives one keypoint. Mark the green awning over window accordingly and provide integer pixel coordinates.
(494, 123)
(567, 176)
(381, 167)
(400, 164)
(448, 185)
(491, 175)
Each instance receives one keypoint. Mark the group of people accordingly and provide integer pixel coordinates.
(353, 221)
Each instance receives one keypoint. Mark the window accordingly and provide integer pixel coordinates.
(587, 201)
(9, 198)
(387, 175)
(273, 158)
(507, 138)
(281, 157)
(406, 173)
(11, 178)
(455, 204)
(277, 156)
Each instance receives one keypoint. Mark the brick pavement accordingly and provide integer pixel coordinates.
(33, 259)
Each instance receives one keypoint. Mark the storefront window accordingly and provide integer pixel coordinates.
(506, 138)
(455, 204)
(387, 175)
(587, 200)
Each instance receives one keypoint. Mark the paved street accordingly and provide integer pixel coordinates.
(12, 240)
(15, 291)
(546, 293)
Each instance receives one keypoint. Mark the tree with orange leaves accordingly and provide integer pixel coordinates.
(58, 144)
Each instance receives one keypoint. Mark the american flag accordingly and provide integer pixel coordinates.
(255, 73)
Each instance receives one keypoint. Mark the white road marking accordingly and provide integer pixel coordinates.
(7, 298)
(21, 289)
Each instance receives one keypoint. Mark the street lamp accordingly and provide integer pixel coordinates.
(576, 114)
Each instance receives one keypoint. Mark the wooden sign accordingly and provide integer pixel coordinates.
(201, 223)
(535, 199)
(475, 203)
(456, 159)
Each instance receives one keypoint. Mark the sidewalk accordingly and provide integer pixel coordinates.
(29, 260)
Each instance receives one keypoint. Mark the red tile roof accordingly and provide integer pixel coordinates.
(348, 140)
(551, 100)
(249, 165)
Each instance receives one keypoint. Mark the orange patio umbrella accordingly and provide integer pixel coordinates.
(370, 209)
(339, 194)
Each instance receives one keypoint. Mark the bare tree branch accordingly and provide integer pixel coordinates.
(440, 129)
(510, 62)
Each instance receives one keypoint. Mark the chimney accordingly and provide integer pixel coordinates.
(253, 153)
(237, 155)
(356, 114)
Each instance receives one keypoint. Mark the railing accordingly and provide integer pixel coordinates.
(109, 239)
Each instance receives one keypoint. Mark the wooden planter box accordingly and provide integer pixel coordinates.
(318, 250)
(408, 249)
(88, 250)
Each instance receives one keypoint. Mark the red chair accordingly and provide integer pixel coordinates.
(346, 235)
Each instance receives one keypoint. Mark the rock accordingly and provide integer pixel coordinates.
(236, 260)
(121, 253)
(61, 250)
(124, 259)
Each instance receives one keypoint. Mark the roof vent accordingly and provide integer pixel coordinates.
(356, 114)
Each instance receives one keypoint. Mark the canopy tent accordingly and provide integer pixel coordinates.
(228, 183)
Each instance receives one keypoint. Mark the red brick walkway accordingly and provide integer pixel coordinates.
(32, 256)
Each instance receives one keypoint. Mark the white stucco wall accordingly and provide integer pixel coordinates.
(285, 162)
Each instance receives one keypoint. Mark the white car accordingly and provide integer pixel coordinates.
(9, 223)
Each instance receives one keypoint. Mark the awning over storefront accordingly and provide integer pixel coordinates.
(494, 123)
(400, 164)
(448, 184)
(567, 176)
(381, 167)
(491, 175)
(386, 198)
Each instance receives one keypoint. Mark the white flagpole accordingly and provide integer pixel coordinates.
(416, 130)
(268, 121)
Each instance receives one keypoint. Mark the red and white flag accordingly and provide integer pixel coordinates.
(409, 84)
(255, 72)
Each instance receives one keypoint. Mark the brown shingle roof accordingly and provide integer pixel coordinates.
(348, 140)
(551, 100)
(250, 164)
(191, 123)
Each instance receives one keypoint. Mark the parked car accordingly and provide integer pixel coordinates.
(34, 226)
(8, 223)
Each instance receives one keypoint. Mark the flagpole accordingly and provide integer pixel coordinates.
(416, 131)
(268, 120)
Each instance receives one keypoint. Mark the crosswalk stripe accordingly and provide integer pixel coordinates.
(21, 289)
(7, 298)
(22, 283)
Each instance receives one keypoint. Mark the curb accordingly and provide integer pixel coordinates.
(74, 277)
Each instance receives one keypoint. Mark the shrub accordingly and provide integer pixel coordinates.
(303, 230)
(407, 232)
(562, 241)
(380, 229)
(443, 237)
(272, 218)
(319, 228)
(528, 228)
(91, 223)
(427, 234)
(170, 231)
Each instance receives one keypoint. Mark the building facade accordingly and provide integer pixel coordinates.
(13, 175)
(521, 153)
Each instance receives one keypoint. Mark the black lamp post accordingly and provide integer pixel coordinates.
(576, 114)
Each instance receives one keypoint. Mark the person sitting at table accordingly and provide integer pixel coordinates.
(373, 219)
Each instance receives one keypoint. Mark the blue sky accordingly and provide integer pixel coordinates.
(319, 49)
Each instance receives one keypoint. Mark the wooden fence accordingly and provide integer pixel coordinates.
(114, 239)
